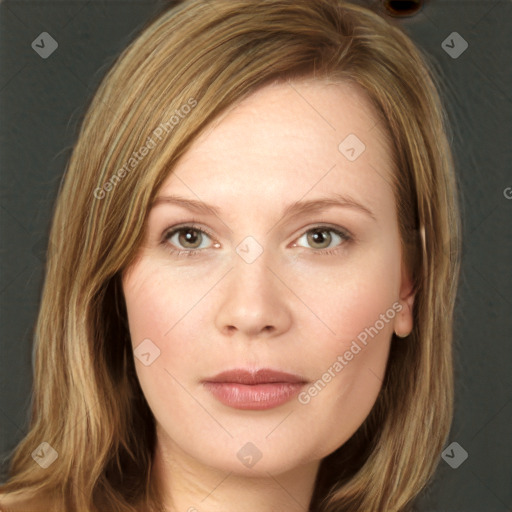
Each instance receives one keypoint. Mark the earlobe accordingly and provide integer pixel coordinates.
(404, 320)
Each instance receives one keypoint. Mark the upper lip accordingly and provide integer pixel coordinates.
(261, 376)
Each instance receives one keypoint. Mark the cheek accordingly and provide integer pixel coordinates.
(157, 312)
(164, 308)
(159, 301)
(343, 300)
(352, 340)
(348, 349)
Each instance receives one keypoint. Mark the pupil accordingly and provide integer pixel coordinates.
(191, 236)
(319, 237)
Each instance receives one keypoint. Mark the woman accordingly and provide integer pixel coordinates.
(193, 350)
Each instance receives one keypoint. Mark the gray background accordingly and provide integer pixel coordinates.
(43, 100)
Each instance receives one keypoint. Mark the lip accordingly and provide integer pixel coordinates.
(254, 390)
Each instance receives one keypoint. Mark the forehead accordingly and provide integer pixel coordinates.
(285, 142)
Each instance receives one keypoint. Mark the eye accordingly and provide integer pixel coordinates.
(325, 237)
(190, 238)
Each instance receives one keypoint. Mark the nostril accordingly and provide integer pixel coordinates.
(402, 7)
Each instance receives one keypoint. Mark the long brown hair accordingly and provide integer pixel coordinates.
(186, 67)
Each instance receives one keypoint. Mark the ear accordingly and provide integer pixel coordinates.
(404, 320)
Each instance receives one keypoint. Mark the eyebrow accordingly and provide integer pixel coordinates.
(295, 208)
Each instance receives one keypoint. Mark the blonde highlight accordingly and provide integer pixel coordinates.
(87, 402)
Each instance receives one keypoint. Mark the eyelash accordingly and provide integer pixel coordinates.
(170, 232)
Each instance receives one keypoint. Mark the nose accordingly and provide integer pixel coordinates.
(254, 302)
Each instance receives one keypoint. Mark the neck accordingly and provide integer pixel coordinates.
(187, 485)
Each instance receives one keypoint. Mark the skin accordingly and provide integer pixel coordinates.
(294, 308)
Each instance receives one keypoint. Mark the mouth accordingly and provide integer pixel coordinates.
(254, 390)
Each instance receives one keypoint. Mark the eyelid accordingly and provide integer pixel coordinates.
(171, 231)
(326, 226)
(344, 233)
(192, 225)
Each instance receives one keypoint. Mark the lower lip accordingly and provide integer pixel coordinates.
(253, 397)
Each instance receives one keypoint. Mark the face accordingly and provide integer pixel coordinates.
(294, 266)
